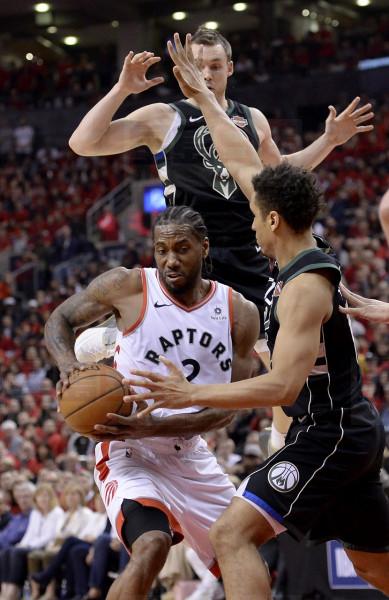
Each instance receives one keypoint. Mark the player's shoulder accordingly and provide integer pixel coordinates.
(119, 280)
(259, 119)
(244, 309)
(156, 109)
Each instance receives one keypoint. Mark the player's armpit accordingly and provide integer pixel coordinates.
(245, 332)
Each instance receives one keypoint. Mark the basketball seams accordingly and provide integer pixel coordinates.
(95, 399)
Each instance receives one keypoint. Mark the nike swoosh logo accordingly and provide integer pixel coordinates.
(160, 305)
(193, 119)
(301, 419)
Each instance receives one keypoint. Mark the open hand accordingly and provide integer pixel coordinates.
(364, 308)
(340, 128)
(133, 76)
(172, 391)
(186, 72)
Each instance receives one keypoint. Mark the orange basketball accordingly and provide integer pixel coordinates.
(92, 394)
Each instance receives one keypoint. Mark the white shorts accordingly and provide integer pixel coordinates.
(180, 477)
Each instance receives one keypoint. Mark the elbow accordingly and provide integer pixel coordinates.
(286, 395)
(78, 147)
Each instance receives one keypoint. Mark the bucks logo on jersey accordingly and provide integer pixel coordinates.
(223, 183)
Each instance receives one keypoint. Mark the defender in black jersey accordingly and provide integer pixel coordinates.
(324, 483)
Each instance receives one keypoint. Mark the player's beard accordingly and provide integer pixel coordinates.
(187, 283)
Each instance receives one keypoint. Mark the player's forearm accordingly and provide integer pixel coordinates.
(263, 391)
(59, 339)
(234, 149)
(187, 424)
(97, 121)
(311, 156)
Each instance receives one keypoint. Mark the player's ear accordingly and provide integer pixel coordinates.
(230, 68)
(274, 220)
(205, 247)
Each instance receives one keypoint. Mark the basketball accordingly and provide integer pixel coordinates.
(92, 394)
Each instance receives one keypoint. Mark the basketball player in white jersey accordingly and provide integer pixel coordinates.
(166, 484)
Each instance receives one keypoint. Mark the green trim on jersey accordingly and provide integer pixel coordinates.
(313, 267)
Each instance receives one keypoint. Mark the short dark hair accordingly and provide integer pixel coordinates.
(292, 192)
(183, 215)
(211, 37)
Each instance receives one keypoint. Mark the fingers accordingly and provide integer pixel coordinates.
(155, 377)
(170, 365)
(138, 397)
(151, 61)
(363, 118)
(365, 128)
(188, 47)
(141, 57)
(115, 418)
(155, 81)
(362, 110)
(352, 106)
(108, 429)
(149, 409)
(352, 312)
(332, 110)
(351, 296)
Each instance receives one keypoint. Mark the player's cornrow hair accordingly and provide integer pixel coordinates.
(183, 215)
(211, 37)
(292, 192)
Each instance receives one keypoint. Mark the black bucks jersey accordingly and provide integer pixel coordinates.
(335, 380)
(193, 175)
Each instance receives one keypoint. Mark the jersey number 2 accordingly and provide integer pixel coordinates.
(195, 368)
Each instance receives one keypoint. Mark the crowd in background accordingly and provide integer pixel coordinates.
(44, 196)
(83, 77)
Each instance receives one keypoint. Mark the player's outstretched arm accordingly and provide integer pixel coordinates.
(234, 149)
(339, 129)
(101, 297)
(98, 135)
(364, 308)
(305, 303)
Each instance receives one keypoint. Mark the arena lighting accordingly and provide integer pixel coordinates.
(335, 23)
(362, 2)
(305, 12)
(29, 56)
(179, 15)
(70, 40)
(42, 7)
(211, 25)
(239, 6)
(52, 29)
(115, 24)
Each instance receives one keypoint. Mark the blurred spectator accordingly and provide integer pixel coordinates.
(10, 436)
(14, 531)
(94, 523)
(40, 531)
(108, 226)
(24, 137)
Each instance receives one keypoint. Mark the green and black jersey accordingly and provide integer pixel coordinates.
(193, 175)
(335, 379)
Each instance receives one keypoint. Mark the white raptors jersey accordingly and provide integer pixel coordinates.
(196, 339)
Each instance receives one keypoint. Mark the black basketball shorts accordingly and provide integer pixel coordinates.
(324, 483)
